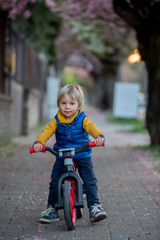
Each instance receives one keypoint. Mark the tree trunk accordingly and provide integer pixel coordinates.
(103, 90)
(151, 48)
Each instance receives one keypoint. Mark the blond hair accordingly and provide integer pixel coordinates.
(74, 91)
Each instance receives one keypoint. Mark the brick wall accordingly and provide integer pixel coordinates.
(5, 118)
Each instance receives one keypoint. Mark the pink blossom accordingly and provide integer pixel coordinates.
(15, 7)
(27, 14)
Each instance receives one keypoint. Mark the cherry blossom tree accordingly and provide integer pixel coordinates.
(96, 25)
(101, 34)
(40, 30)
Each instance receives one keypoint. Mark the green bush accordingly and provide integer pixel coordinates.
(137, 125)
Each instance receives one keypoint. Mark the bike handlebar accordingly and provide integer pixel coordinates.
(45, 148)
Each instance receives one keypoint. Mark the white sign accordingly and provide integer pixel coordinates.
(125, 103)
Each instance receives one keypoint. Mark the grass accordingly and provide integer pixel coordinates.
(5, 149)
(5, 152)
(137, 125)
(154, 153)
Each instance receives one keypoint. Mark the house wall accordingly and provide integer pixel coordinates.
(5, 118)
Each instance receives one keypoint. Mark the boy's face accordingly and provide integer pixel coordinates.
(68, 106)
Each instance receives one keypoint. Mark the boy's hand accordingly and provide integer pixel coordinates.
(99, 141)
(38, 147)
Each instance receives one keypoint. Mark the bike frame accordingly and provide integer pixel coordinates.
(76, 194)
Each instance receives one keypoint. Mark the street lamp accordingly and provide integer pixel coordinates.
(134, 57)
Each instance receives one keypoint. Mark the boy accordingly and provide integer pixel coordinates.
(72, 129)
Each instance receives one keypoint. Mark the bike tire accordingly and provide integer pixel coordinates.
(70, 212)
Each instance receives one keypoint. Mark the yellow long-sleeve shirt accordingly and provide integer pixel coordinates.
(50, 129)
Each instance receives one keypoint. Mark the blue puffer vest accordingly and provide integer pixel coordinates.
(73, 136)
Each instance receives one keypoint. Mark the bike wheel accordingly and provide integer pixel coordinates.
(69, 209)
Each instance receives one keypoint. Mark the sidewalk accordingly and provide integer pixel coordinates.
(129, 192)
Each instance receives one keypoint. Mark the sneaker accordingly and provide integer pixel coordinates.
(96, 213)
(49, 215)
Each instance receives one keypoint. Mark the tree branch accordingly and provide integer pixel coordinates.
(127, 12)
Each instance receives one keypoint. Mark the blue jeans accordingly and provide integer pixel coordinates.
(85, 169)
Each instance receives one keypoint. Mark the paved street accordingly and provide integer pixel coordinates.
(128, 189)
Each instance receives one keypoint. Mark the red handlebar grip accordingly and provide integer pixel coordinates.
(43, 148)
(31, 150)
(92, 144)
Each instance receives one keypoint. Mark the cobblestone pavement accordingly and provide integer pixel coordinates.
(129, 192)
